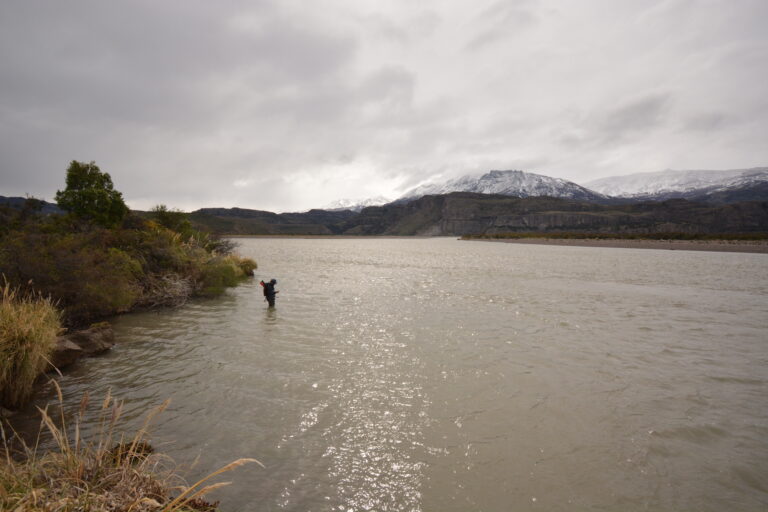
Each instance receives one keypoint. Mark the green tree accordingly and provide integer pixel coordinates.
(90, 195)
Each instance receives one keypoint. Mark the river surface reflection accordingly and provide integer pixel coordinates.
(439, 375)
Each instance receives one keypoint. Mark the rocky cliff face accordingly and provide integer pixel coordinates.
(463, 213)
(466, 213)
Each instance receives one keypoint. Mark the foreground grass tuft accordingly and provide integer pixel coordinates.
(105, 474)
(29, 325)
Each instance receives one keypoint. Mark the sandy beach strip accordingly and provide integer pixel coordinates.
(751, 246)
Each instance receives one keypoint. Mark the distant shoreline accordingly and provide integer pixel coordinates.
(746, 246)
(340, 237)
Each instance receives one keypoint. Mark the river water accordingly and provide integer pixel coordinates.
(440, 375)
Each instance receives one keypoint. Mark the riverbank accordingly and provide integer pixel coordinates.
(60, 274)
(106, 472)
(747, 246)
(66, 272)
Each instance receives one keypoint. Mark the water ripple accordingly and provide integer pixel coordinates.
(409, 375)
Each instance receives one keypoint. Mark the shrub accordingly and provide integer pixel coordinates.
(217, 274)
(214, 243)
(246, 265)
(173, 219)
(28, 329)
(88, 279)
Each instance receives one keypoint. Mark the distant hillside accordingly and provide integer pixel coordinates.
(18, 202)
(240, 221)
(710, 186)
(508, 183)
(462, 213)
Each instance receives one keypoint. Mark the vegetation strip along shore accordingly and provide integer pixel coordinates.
(729, 243)
(67, 271)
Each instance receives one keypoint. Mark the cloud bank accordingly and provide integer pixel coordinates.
(290, 105)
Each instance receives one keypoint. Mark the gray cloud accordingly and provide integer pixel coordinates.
(708, 121)
(503, 19)
(634, 117)
(288, 105)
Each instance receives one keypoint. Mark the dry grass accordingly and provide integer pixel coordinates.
(29, 325)
(109, 473)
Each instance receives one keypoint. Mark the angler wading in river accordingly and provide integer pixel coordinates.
(270, 292)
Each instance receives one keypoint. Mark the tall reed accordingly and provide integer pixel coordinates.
(29, 325)
(108, 473)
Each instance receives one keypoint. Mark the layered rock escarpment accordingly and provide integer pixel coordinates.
(462, 213)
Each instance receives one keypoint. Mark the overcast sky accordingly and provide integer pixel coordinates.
(287, 105)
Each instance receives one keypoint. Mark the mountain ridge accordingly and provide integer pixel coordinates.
(671, 183)
(356, 205)
(513, 183)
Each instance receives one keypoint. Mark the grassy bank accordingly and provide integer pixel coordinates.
(70, 270)
(29, 325)
(100, 259)
(95, 261)
(620, 236)
(108, 473)
(61, 272)
(93, 272)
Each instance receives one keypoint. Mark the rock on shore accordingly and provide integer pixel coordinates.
(70, 347)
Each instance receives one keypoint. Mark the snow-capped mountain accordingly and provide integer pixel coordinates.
(355, 204)
(671, 183)
(509, 183)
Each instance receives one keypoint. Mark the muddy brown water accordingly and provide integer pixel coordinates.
(440, 375)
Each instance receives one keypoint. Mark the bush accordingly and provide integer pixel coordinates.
(221, 272)
(89, 280)
(246, 265)
(28, 329)
(158, 249)
(173, 219)
(217, 274)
